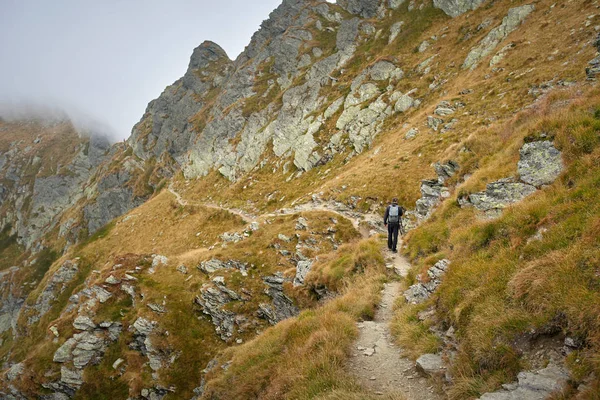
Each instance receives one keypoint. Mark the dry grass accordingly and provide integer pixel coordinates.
(300, 358)
(502, 284)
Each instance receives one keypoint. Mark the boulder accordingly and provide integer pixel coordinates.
(540, 164)
(395, 30)
(404, 103)
(431, 364)
(213, 299)
(84, 323)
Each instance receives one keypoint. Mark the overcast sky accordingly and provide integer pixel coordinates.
(107, 59)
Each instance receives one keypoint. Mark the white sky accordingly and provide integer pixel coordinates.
(106, 59)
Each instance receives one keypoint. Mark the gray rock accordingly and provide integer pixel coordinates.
(533, 385)
(364, 8)
(381, 70)
(423, 46)
(394, 4)
(143, 327)
(282, 306)
(157, 308)
(158, 260)
(513, 19)
(301, 224)
(420, 292)
(111, 280)
(213, 265)
(84, 323)
(454, 8)
(540, 164)
(72, 378)
(443, 109)
(302, 269)
(213, 300)
(411, 133)
(15, 371)
(101, 294)
(434, 122)
(430, 364)
(498, 195)
(182, 269)
(395, 30)
(56, 285)
(404, 103)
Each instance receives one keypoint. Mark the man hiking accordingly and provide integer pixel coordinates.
(392, 219)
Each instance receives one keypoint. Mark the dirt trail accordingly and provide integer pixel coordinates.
(376, 362)
(332, 207)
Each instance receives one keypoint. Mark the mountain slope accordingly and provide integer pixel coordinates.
(244, 192)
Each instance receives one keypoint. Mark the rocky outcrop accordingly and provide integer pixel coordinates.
(213, 265)
(532, 385)
(498, 195)
(282, 306)
(421, 291)
(433, 191)
(212, 299)
(540, 163)
(513, 19)
(454, 8)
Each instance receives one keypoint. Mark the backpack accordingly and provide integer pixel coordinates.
(394, 215)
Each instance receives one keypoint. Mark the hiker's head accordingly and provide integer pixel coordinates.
(395, 200)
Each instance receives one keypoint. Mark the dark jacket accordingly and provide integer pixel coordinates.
(387, 213)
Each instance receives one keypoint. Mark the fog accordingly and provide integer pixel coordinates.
(101, 62)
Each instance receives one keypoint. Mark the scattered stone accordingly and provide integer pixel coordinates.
(72, 378)
(158, 260)
(254, 226)
(157, 308)
(443, 109)
(231, 237)
(111, 280)
(404, 103)
(213, 265)
(395, 30)
(54, 330)
(454, 8)
(15, 371)
(118, 363)
(302, 224)
(283, 238)
(434, 122)
(101, 294)
(182, 269)
(423, 46)
(411, 134)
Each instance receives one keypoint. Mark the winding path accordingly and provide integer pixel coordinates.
(376, 362)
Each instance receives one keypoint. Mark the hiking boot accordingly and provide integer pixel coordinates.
(394, 251)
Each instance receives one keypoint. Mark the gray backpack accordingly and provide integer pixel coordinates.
(394, 215)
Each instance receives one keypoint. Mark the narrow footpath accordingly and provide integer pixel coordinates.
(376, 361)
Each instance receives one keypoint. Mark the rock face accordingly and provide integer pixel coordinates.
(540, 163)
(513, 19)
(532, 385)
(282, 306)
(454, 8)
(56, 285)
(43, 169)
(420, 292)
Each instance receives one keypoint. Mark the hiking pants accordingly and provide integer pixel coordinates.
(393, 235)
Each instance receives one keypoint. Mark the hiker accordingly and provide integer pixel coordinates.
(392, 219)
